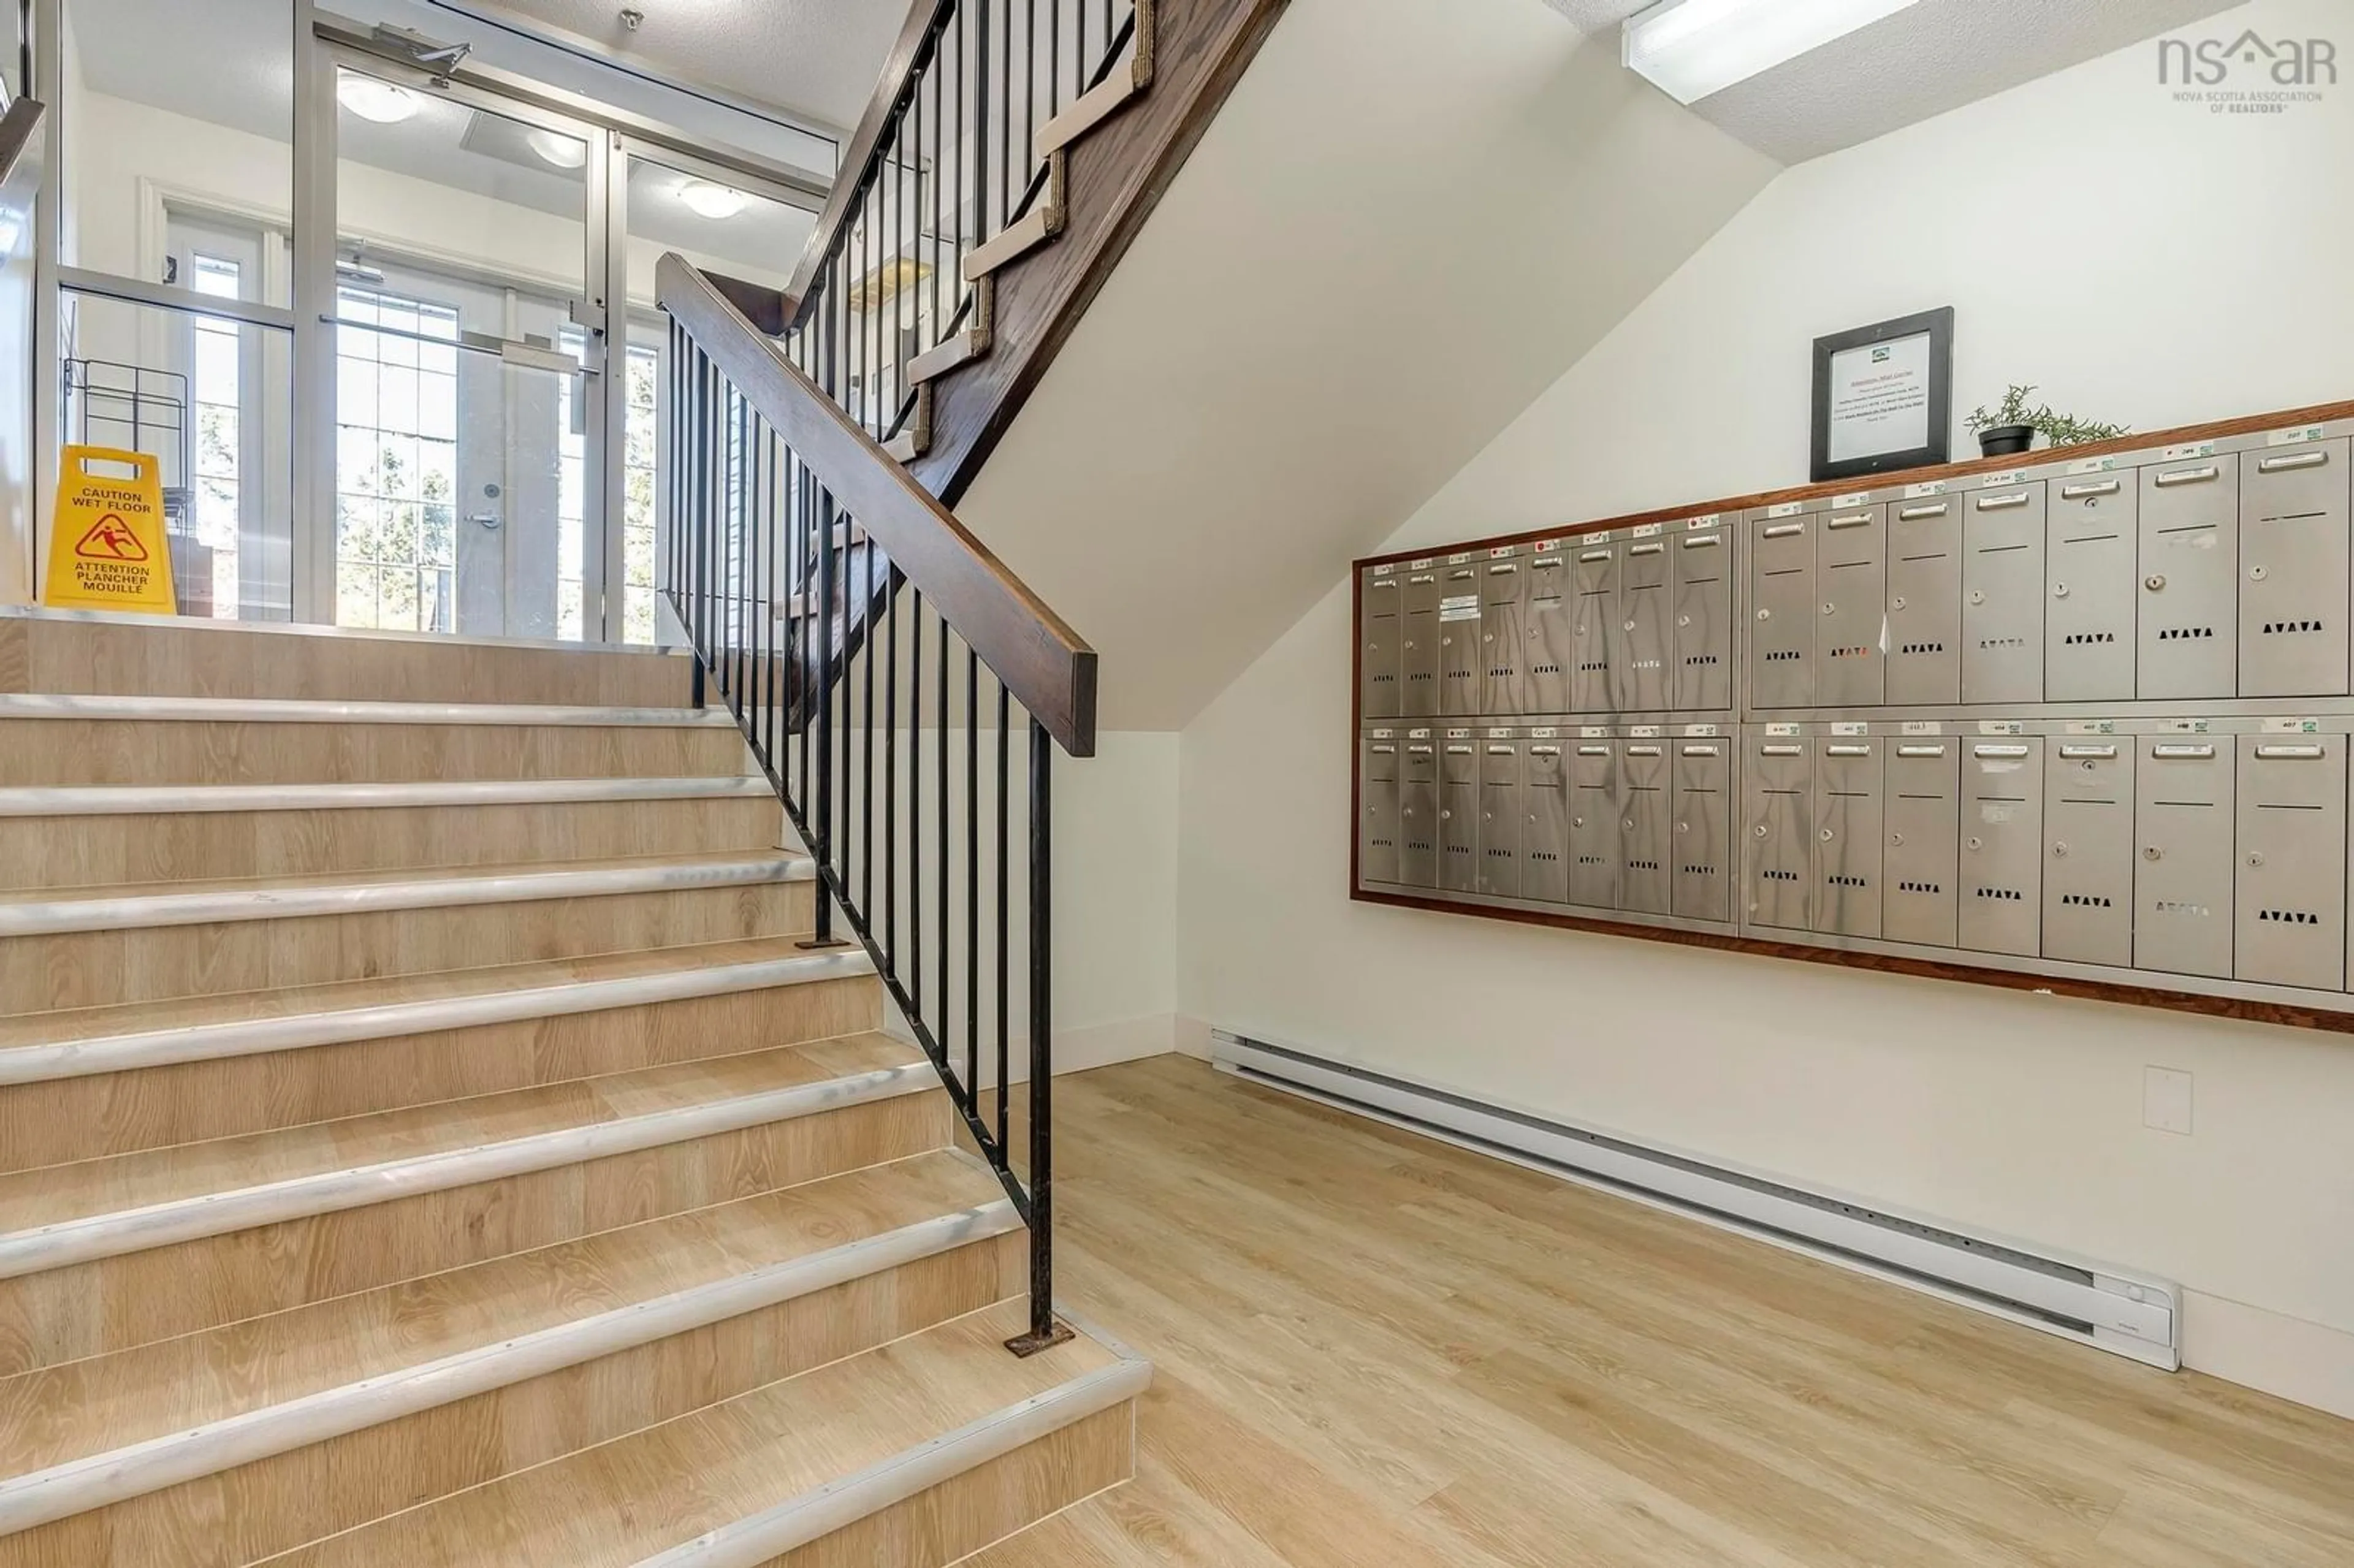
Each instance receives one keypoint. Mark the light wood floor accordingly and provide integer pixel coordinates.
(1378, 1352)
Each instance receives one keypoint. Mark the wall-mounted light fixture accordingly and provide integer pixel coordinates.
(716, 202)
(375, 101)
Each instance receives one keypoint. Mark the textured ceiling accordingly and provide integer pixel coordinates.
(1932, 56)
(816, 57)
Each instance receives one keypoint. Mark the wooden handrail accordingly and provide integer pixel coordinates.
(850, 175)
(19, 132)
(1040, 660)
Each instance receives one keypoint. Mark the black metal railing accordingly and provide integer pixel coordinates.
(945, 159)
(913, 746)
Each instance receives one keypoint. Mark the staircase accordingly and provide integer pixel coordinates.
(431, 1137)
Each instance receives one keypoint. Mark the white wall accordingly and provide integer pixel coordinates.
(2144, 262)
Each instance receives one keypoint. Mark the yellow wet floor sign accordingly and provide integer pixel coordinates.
(106, 548)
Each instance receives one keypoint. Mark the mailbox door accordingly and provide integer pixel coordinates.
(2002, 846)
(1500, 637)
(1377, 799)
(1782, 618)
(2187, 640)
(1418, 815)
(2293, 578)
(1384, 615)
(1458, 817)
(1702, 845)
(1544, 838)
(1703, 629)
(1924, 601)
(1595, 874)
(1847, 838)
(2289, 927)
(1500, 820)
(1646, 596)
(2183, 818)
(2002, 596)
(1418, 655)
(1851, 633)
(1645, 809)
(1778, 798)
(1593, 632)
(1545, 663)
(1920, 867)
(2088, 617)
(1459, 642)
(2088, 818)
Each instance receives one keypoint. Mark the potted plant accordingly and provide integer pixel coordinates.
(2013, 424)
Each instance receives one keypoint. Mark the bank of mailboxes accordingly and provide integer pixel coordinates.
(2181, 852)
(1636, 819)
(2192, 574)
(1635, 620)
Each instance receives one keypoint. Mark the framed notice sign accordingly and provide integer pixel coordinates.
(1884, 397)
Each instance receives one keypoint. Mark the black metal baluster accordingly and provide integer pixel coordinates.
(972, 872)
(1004, 926)
(947, 911)
(1044, 1330)
(916, 806)
(1053, 55)
(890, 778)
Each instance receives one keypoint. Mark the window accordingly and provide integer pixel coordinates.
(637, 491)
(396, 461)
(571, 494)
(217, 390)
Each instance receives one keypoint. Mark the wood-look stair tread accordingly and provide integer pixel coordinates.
(708, 861)
(117, 1184)
(38, 1029)
(102, 1403)
(180, 799)
(616, 1505)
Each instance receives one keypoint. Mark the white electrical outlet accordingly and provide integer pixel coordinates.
(2165, 1100)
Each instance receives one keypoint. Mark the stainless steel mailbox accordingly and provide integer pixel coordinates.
(1545, 665)
(1851, 573)
(1594, 634)
(1847, 897)
(2182, 875)
(2088, 816)
(1418, 811)
(1782, 613)
(1924, 601)
(1703, 831)
(1418, 656)
(1778, 812)
(1921, 863)
(1646, 605)
(2289, 921)
(1500, 816)
(2292, 570)
(1645, 808)
(1500, 634)
(1377, 660)
(2187, 644)
(1458, 814)
(1594, 875)
(2002, 595)
(1377, 800)
(1544, 834)
(1458, 639)
(2002, 846)
(2088, 616)
(1703, 629)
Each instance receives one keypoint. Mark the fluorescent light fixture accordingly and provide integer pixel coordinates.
(718, 203)
(554, 147)
(372, 99)
(1690, 48)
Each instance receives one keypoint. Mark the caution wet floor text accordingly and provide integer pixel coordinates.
(107, 548)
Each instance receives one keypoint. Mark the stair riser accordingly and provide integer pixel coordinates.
(38, 853)
(64, 1119)
(113, 751)
(950, 1521)
(90, 969)
(115, 1303)
(169, 659)
(277, 1504)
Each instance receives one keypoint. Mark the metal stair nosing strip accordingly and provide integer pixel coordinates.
(60, 916)
(762, 1537)
(140, 1049)
(199, 1215)
(103, 1479)
(177, 800)
(301, 710)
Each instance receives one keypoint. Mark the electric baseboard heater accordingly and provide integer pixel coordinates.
(2131, 1314)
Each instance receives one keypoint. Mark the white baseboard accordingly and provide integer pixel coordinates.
(1192, 1037)
(2300, 1360)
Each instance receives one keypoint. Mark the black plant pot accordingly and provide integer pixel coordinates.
(2001, 440)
